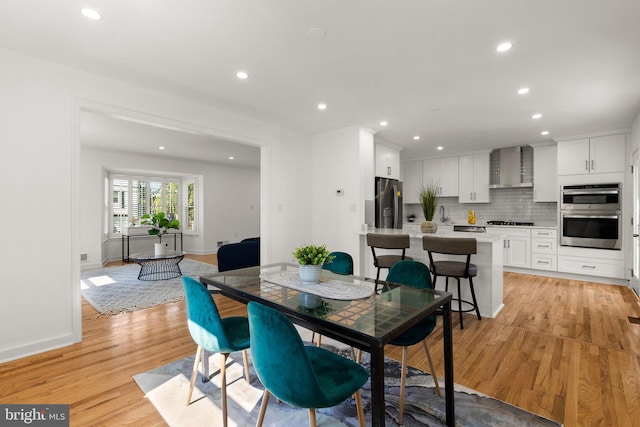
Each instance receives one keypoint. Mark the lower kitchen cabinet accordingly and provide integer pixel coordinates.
(613, 268)
(544, 249)
(516, 246)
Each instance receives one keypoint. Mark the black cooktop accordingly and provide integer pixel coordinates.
(509, 223)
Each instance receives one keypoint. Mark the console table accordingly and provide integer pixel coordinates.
(127, 237)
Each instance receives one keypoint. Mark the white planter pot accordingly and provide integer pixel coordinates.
(159, 249)
(310, 273)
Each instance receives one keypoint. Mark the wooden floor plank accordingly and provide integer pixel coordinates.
(564, 349)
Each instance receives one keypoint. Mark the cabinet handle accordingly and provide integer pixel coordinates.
(543, 262)
(586, 164)
(544, 246)
(543, 234)
(593, 165)
(389, 170)
(588, 266)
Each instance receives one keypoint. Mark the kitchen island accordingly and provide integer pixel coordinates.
(488, 283)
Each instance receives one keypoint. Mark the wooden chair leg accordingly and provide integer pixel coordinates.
(359, 407)
(403, 379)
(433, 370)
(194, 374)
(359, 357)
(312, 417)
(263, 407)
(223, 386)
(245, 357)
(319, 339)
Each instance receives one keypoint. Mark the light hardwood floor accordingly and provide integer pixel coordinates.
(564, 349)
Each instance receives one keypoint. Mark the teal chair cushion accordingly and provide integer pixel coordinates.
(342, 263)
(207, 329)
(302, 376)
(416, 274)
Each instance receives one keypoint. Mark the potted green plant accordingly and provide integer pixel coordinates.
(160, 225)
(310, 259)
(429, 203)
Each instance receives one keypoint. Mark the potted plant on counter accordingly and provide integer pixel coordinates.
(160, 225)
(429, 203)
(310, 259)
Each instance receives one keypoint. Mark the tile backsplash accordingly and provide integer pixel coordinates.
(507, 204)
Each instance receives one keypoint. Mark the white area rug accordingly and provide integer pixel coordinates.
(113, 290)
(166, 387)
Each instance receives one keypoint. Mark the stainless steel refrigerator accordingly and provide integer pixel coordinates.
(388, 203)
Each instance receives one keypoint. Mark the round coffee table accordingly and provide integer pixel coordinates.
(158, 267)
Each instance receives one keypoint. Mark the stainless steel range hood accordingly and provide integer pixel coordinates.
(512, 167)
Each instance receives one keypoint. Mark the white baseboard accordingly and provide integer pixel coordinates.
(37, 348)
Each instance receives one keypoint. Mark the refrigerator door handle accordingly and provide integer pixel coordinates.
(396, 200)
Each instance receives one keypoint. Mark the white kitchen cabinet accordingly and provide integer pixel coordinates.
(545, 174)
(412, 180)
(516, 245)
(613, 268)
(544, 249)
(473, 182)
(387, 162)
(443, 174)
(602, 154)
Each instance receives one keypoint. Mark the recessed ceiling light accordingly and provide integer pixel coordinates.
(503, 47)
(91, 14)
(523, 90)
(416, 138)
(161, 148)
(242, 75)
(383, 123)
(536, 116)
(231, 157)
(322, 106)
(544, 132)
(439, 148)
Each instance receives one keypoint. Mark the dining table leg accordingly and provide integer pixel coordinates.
(448, 365)
(377, 386)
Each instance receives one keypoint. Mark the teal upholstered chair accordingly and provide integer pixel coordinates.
(213, 334)
(342, 263)
(416, 274)
(302, 376)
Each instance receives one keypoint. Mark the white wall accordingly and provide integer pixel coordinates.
(342, 160)
(230, 210)
(40, 109)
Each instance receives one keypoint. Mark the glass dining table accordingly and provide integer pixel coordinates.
(367, 323)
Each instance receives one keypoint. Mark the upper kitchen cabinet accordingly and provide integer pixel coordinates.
(545, 174)
(412, 180)
(473, 182)
(387, 162)
(602, 154)
(443, 174)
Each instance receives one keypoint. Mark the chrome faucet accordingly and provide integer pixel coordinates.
(443, 218)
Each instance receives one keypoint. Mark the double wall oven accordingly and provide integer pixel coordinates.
(590, 216)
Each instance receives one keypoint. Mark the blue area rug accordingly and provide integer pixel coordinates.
(113, 290)
(166, 387)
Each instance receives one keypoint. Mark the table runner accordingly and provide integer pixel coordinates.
(332, 289)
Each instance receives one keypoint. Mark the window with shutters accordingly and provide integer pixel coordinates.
(132, 196)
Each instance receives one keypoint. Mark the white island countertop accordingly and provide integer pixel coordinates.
(480, 237)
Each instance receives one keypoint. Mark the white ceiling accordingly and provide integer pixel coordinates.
(428, 67)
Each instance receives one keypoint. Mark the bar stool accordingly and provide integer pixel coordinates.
(456, 269)
(387, 241)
